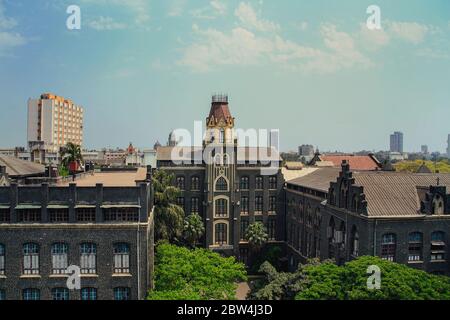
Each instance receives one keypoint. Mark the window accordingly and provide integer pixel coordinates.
(354, 242)
(88, 258)
(29, 215)
(31, 294)
(120, 214)
(59, 258)
(415, 244)
(221, 233)
(244, 227)
(2, 295)
(244, 205)
(437, 246)
(195, 184)
(222, 136)
(273, 182)
(271, 231)
(88, 294)
(259, 183)
(60, 294)
(30, 258)
(258, 204)
(221, 208)
(194, 205)
(272, 204)
(388, 247)
(58, 215)
(2, 259)
(4, 215)
(180, 182)
(221, 184)
(85, 214)
(121, 258)
(243, 255)
(180, 202)
(244, 183)
(121, 293)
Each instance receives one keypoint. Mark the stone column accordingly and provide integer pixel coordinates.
(99, 202)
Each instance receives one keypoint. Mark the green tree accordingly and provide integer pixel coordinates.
(199, 274)
(256, 235)
(71, 153)
(169, 215)
(193, 229)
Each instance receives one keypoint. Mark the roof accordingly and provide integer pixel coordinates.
(111, 179)
(356, 162)
(396, 193)
(193, 153)
(318, 179)
(20, 168)
(293, 165)
(219, 111)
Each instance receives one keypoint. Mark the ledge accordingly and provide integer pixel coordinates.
(30, 276)
(58, 276)
(120, 275)
(89, 275)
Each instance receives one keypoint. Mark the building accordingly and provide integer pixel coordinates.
(424, 149)
(306, 152)
(364, 163)
(102, 224)
(229, 186)
(448, 146)
(53, 121)
(396, 144)
(17, 170)
(341, 214)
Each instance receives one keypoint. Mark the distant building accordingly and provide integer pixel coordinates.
(306, 150)
(397, 142)
(173, 140)
(424, 149)
(53, 121)
(360, 163)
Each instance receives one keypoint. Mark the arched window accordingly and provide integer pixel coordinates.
(122, 293)
(221, 233)
(388, 246)
(244, 183)
(121, 258)
(180, 182)
(60, 294)
(259, 183)
(355, 203)
(221, 135)
(195, 183)
(354, 242)
(88, 293)
(438, 249)
(415, 246)
(30, 258)
(31, 294)
(343, 195)
(221, 184)
(221, 208)
(88, 258)
(59, 258)
(2, 259)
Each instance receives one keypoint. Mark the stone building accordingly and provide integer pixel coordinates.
(105, 229)
(230, 186)
(342, 214)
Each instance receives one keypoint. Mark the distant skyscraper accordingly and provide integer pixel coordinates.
(306, 150)
(397, 142)
(448, 146)
(424, 149)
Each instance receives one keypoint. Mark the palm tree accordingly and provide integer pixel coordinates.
(71, 156)
(256, 235)
(193, 229)
(169, 215)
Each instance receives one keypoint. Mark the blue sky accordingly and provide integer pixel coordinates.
(310, 68)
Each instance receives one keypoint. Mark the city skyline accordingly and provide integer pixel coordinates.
(142, 68)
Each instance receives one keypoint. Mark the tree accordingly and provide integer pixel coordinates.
(256, 235)
(327, 281)
(71, 154)
(193, 229)
(200, 274)
(169, 215)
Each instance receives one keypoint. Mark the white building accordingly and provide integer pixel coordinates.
(53, 121)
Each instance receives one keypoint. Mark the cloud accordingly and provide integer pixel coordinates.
(106, 23)
(214, 9)
(411, 32)
(248, 17)
(176, 8)
(8, 38)
(373, 39)
(140, 8)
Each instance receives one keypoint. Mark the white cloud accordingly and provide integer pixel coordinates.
(250, 19)
(8, 38)
(412, 32)
(373, 39)
(176, 8)
(106, 23)
(214, 9)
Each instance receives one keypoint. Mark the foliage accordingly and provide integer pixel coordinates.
(193, 229)
(271, 255)
(198, 274)
(256, 235)
(63, 171)
(327, 281)
(442, 166)
(70, 153)
(169, 215)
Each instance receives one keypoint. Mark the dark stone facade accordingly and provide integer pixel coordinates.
(104, 216)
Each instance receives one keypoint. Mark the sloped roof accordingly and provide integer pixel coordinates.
(20, 168)
(318, 179)
(366, 163)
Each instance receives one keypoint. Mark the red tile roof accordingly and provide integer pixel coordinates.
(220, 111)
(363, 163)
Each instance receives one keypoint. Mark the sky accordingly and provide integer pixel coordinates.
(312, 69)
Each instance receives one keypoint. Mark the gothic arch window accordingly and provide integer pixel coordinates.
(221, 207)
(343, 195)
(354, 242)
(218, 159)
(221, 234)
(180, 182)
(195, 183)
(438, 205)
(221, 184)
(355, 203)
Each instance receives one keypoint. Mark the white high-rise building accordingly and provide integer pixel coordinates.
(53, 121)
